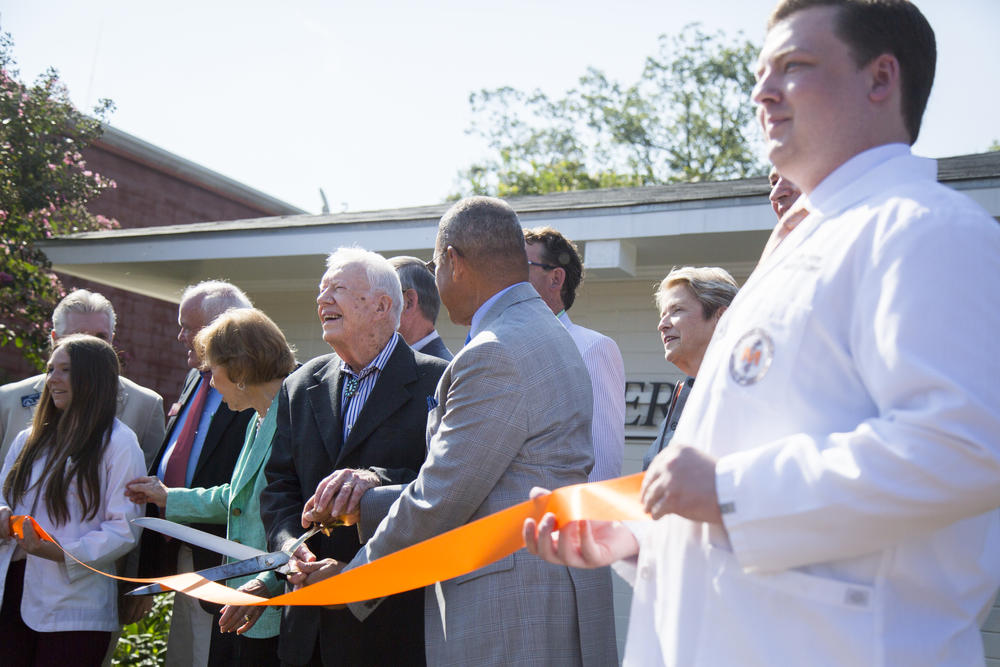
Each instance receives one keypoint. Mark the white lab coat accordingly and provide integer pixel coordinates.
(65, 596)
(859, 460)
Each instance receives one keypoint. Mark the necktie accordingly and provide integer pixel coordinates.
(176, 472)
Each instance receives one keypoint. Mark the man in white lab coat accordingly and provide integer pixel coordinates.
(830, 494)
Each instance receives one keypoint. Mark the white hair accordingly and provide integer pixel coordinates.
(217, 296)
(82, 301)
(382, 277)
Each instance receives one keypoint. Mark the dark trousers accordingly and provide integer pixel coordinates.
(233, 650)
(24, 647)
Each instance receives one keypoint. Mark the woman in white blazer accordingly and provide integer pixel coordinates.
(68, 471)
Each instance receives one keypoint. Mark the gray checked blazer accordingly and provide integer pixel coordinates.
(512, 411)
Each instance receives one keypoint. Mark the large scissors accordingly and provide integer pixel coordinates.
(252, 560)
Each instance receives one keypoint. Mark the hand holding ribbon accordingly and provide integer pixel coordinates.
(443, 557)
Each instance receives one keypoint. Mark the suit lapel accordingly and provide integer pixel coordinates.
(389, 393)
(324, 398)
(190, 382)
(260, 450)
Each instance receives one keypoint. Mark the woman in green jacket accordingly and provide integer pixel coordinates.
(249, 358)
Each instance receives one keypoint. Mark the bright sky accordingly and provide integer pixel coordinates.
(369, 100)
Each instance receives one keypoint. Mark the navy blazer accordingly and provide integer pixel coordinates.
(437, 348)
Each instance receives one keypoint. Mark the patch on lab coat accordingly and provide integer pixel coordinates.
(751, 357)
(30, 400)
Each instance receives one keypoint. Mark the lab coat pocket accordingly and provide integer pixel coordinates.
(822, 620)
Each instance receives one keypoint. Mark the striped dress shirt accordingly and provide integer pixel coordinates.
(353, 402)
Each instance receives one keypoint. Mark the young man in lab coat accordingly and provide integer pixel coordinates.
(830, 494)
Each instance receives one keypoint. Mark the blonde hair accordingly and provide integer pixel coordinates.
(712, 286)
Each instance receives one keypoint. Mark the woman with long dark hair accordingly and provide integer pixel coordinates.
(68, 470)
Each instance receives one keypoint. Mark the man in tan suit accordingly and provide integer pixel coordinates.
(139, 408)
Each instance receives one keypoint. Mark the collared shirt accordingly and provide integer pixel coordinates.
(212, 403)
(481, 311)
(837, 180)
(351, 405)
(422, 343)
(604, 364)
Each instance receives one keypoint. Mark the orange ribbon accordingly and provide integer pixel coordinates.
(439, 558)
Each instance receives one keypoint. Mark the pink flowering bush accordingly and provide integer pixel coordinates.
(44, 189)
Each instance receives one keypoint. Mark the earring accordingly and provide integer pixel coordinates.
(241, 386)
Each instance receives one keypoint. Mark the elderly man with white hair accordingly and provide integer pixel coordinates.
(356, 419)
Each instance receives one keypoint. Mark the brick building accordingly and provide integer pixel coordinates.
(155, 188)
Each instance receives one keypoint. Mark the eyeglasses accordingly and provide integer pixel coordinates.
(432, 264)
(544, 267)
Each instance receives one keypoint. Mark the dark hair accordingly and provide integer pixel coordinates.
(248, 344)
(558, 250)
(873, 27)
(414, 274)
(72, 440)
(486, 231)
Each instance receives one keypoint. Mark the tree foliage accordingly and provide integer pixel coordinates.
(44, 188)
(144, 643)
(687, 118)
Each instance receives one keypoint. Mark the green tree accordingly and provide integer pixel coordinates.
(687, 118)
(44, 188)
(995, 146)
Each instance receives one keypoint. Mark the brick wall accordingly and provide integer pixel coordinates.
(145, 338)
(148, 197)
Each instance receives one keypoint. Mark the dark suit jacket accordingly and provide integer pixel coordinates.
(223, 443)
(388, 437)
(437, 348)
(669, 425)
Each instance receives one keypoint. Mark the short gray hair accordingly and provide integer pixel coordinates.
(82, 301)
(414, 275)
(711, 285)
(217, 296)
(486, 231)
(382, 278)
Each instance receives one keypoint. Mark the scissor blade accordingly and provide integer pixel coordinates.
(199, 538)
(290, 549)
(267, 561)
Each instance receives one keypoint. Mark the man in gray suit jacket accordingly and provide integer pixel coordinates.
(360, 412)
(512, 411)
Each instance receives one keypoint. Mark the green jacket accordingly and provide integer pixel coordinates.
(237, 504)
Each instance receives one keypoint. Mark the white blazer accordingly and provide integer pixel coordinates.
(66, 596)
